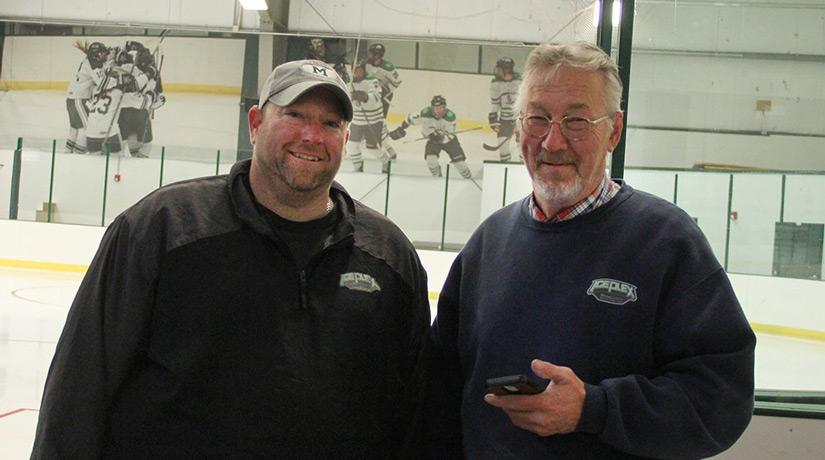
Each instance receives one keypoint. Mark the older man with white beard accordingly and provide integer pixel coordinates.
(609, 298)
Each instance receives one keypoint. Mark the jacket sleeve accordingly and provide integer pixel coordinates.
(105, 329)
(700, 398)
(417, 369)
(444, 432)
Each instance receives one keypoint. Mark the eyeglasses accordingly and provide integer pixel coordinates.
(572, 128)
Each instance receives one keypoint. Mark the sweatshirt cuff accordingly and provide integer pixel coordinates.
(594, 411)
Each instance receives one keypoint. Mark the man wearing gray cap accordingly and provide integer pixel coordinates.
(260, 314)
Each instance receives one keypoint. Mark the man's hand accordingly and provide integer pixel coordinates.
(436, 137)
(557, 410)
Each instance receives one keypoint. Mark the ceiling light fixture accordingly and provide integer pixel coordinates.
(257, 5)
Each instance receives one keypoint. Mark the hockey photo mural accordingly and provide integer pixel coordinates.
(113, 97)
(130, 95)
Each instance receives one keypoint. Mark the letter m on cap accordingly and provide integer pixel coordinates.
(321, 70)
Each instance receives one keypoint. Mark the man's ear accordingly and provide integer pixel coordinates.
(616, 134)
(255, 116)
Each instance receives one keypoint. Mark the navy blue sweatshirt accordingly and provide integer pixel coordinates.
(631, 298)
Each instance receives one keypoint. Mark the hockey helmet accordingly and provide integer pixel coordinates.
(97, 53)
(377, 49)
(144, 59)
(506, 64)
(438, 100)
(132, 45)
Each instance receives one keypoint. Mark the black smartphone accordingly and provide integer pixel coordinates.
(513, 385)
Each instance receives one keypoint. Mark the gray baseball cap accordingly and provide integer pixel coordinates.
(290, 80)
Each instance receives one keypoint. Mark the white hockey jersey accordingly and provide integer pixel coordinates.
(386, 75)
(105, 106)
(503, 96)
(444, 126)
(85, 81)
(370, 112)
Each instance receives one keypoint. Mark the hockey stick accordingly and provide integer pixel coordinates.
(157, 47)
(493, 148)
(475, 183)
(445, 134)
(150, 110)
(117, 110)
(373, 188)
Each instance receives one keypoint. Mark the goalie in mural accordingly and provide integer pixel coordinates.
(121, 95)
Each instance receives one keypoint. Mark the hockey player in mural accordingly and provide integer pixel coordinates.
(87, 78)
(136, 123)
(438, 127)
(367, 119)
(383, 71)
(502, 117)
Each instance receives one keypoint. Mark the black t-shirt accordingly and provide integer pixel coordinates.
(304, 239)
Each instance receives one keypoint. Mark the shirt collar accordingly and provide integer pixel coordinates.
(605, 191)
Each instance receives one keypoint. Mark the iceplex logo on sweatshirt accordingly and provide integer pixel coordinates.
(612, 291)
(359, 282)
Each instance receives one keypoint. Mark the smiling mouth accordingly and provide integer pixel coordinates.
(304, 156)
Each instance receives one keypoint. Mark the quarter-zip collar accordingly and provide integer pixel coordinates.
(244, 203)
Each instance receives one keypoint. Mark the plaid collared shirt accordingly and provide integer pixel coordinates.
(601, 195)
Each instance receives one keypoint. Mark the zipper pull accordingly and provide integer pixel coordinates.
(302, 289)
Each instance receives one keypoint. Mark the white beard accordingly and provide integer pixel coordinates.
(558, 194)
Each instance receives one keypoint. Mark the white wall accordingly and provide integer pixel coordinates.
(778, 26)
(514, 20)
(205, 13)
(687, 73)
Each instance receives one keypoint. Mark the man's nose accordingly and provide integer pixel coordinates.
(554, 140)
(312, 131)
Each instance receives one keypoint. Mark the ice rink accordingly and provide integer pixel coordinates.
(33, 307)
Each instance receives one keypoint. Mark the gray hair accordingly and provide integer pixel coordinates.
(545, 59)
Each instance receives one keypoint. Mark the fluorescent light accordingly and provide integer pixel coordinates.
(597, 12)
(617, 13)
(254, 5)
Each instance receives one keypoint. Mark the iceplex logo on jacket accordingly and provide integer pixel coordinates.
(359, 282)
(612, 291)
